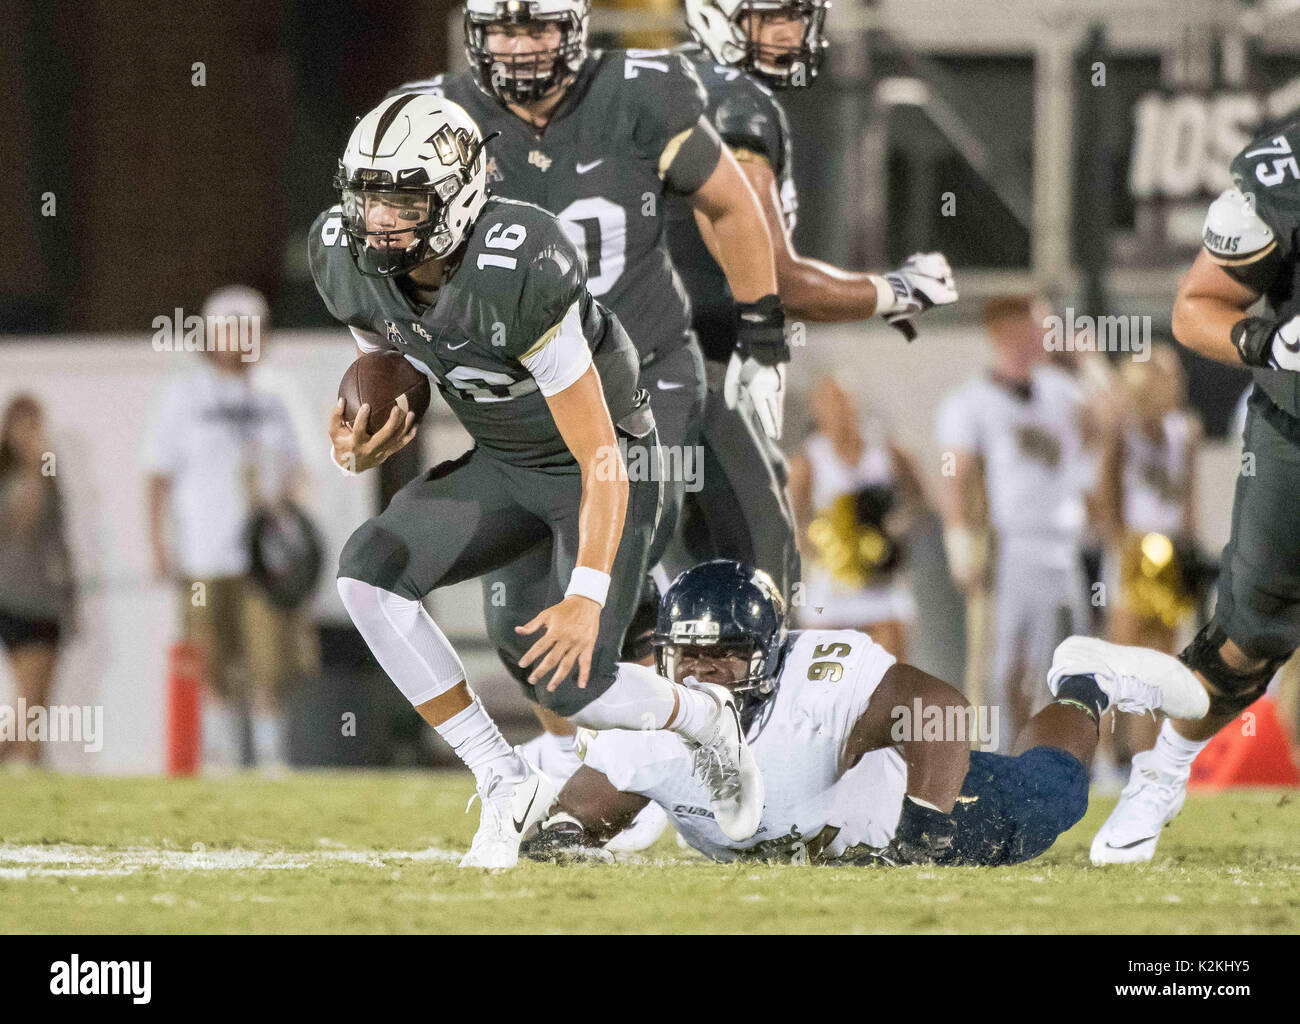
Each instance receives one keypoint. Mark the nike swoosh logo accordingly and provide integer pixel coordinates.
(668, 385)
(1129, 846)
(453, 348)
(519, 824)
(753, 318)
(584, 168)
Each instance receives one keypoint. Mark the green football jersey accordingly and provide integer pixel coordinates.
(749, 119)
(517, 278)
(597, 165)
(1268, 174)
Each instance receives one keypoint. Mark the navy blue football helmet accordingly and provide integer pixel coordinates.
(725, 607)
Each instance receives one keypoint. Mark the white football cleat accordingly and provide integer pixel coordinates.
(1149, 802)
(1136, 679)
(509, 810)
(643, 833)
(726, 765)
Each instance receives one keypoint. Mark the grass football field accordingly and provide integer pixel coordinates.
(376, 852)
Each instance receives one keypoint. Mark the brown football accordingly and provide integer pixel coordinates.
(383, 379)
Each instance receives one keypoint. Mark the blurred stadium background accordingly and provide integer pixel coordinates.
(1090, 192)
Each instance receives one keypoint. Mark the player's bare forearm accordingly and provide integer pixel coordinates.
(594, 803)
(583, 420)
(740, 232)
(809, 289)
(1209, 304)
(936, 768)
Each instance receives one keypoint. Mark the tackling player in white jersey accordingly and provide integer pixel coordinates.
(865, 759)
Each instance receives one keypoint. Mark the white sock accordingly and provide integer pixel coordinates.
(479, 743)
(1175, 753)
(405, 641)
(220, 734)
(642, 699)
(268, 739)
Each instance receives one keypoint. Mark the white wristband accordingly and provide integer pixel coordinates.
(335, 462)
(590, 583)
(886, 297)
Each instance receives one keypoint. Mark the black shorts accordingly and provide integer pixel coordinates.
(18, 631)
(517, 530)
(1259, 575)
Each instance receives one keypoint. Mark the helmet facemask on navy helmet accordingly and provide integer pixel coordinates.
(741, 668)
(525, 51)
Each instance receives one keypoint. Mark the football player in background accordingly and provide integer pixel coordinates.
(866, 759)
(1016, 433)
(604, 139)
(1249, 253)
(743, 49)
(488, 297)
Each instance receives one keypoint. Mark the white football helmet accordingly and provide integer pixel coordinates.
(525, 77)
(724, 28)
(412, 182)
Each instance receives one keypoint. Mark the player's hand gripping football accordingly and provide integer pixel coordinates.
(569, 638)
(923, 282)
(356, 450)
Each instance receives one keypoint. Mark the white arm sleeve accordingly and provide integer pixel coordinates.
(561, 360)
(369, 341)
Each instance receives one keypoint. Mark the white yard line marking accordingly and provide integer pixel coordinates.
(67, 859)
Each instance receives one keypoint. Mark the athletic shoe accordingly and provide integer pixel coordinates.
(643, 833)
(726, 766)
(1149, 802)
(509, 810)
(1136, 679)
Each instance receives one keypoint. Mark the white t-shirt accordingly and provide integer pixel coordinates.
(1037, 470)
(800, 749)
(210, 433)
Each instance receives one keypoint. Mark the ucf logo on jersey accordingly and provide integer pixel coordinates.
(419, 329)
(540, 160)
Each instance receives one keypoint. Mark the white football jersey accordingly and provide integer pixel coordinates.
(1037, 468)
(827, 678)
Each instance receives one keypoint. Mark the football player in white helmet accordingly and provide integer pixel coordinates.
(557, 33)
(407, 200)
(489, 298)
(779, 41)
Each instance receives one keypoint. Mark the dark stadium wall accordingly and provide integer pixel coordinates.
(172, 178)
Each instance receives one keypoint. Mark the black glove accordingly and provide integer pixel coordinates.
(562, 839)
(1273, 344)
(760, 331)
(924, 836)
